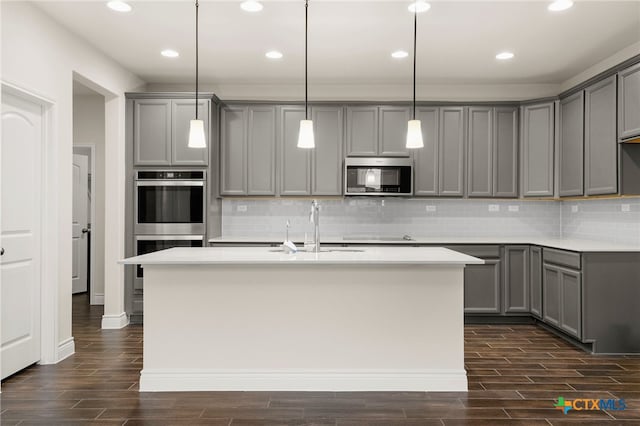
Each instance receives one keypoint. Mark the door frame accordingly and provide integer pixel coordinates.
(50, 351)
(92, 215)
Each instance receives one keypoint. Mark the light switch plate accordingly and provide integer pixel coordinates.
(574, 208)
(431, 209)
(242, 208)
(625, 207)
(494, 207)
(514, 208)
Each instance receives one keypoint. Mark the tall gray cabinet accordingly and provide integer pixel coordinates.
(425, 160)
(537, 145)
(451, 153)
(571, 145)
(629, 102)
(295, 163)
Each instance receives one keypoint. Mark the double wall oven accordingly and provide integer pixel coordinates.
(169, 211)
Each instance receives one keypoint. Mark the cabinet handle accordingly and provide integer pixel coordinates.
(85, 230)
(2, 251)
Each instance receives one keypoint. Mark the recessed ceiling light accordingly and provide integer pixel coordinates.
(169, 53)
(560, 5)
(119, 6)
(251, 6)
(273, 54)
(504, 55)
(419, 6)
(399, 54)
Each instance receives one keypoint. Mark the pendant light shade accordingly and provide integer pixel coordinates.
(414, 127)
(305, 137)
(197, 138)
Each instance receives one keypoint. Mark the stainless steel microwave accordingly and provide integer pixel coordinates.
(382, 176)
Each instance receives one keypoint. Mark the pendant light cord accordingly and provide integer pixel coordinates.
(306, 78)
(415, 32)
(197, 6)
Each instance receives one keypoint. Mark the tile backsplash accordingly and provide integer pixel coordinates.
(614, 220)
(392, 217)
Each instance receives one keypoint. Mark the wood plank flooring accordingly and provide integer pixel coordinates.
(515, 374)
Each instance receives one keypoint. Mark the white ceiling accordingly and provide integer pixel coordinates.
(350, 41)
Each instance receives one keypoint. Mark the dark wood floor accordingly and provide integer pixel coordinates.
(515, 374)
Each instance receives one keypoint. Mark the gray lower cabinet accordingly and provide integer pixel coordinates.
(600, 142)
(571, 145)
(482, 287)
(516, 279)
(425, 160)
(562, 290)
(295, 163)
(377, 130)
(537, 144)
(327, 157)
(551, 295)
(451, 155)
(535, 281)
(505, 152)
(161, 132)
(629, 102)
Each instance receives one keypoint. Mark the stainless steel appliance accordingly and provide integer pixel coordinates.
(149, 243)
(170, 202)
(378, 176)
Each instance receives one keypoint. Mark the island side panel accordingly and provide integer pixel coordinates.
(304, 327)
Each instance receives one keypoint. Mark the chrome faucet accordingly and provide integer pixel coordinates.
(314, 217)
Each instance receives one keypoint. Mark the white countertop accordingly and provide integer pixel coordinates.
(333, 256)
(558, 243)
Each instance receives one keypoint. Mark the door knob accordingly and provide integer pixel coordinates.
(85, 230)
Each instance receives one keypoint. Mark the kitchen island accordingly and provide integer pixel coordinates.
(255, 318)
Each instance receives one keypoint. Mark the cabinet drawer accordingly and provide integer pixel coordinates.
(561, 257)
(483, 251)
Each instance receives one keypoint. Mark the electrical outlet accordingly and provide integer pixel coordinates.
(625, 207)
(431, 209)
(514, 208)
(574, 208)
(242, 208)
(494, 207)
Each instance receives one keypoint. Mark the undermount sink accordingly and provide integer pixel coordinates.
(323, 250)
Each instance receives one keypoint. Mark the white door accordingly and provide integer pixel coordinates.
(80, 225)
(20, 223)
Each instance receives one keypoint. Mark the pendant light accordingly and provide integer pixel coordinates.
(305, 137)
(196, 127)
(414, 127)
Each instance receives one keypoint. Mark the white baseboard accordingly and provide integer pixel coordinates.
(66, 349)
(112, 322)
(303, 380)
(98, 299)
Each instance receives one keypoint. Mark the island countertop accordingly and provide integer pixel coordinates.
(327, 255)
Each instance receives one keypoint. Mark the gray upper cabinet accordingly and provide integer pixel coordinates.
(426, 159)
(327, 156)
(233, 149)
(600, 142)
(516, 279)
(629, 102)
(362, 130)
(505, 146)
(451, 151)
(261, 150)
(393, 131)
(182, 112)
(152, 132)
(537, 150)
(571, 145)
(480, 152)
(295, 163)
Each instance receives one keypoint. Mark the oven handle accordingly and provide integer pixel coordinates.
(169, 183)
(169, 238)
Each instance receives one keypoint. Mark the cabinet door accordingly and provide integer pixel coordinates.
(551, 304)
(261, 150)
(571, 145)
(425, 169)
(451, 151)
(295, 163)
(629, 102)
(600, 142)
(516, 279)
(537, 150)
(482, 287)
(362, 131)
(182, 112)
(571, 311)
(233, 148)
(327, 157)
(393, 131)
(535, 281)
(505, 147)
(152, 132)
(480, 163)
